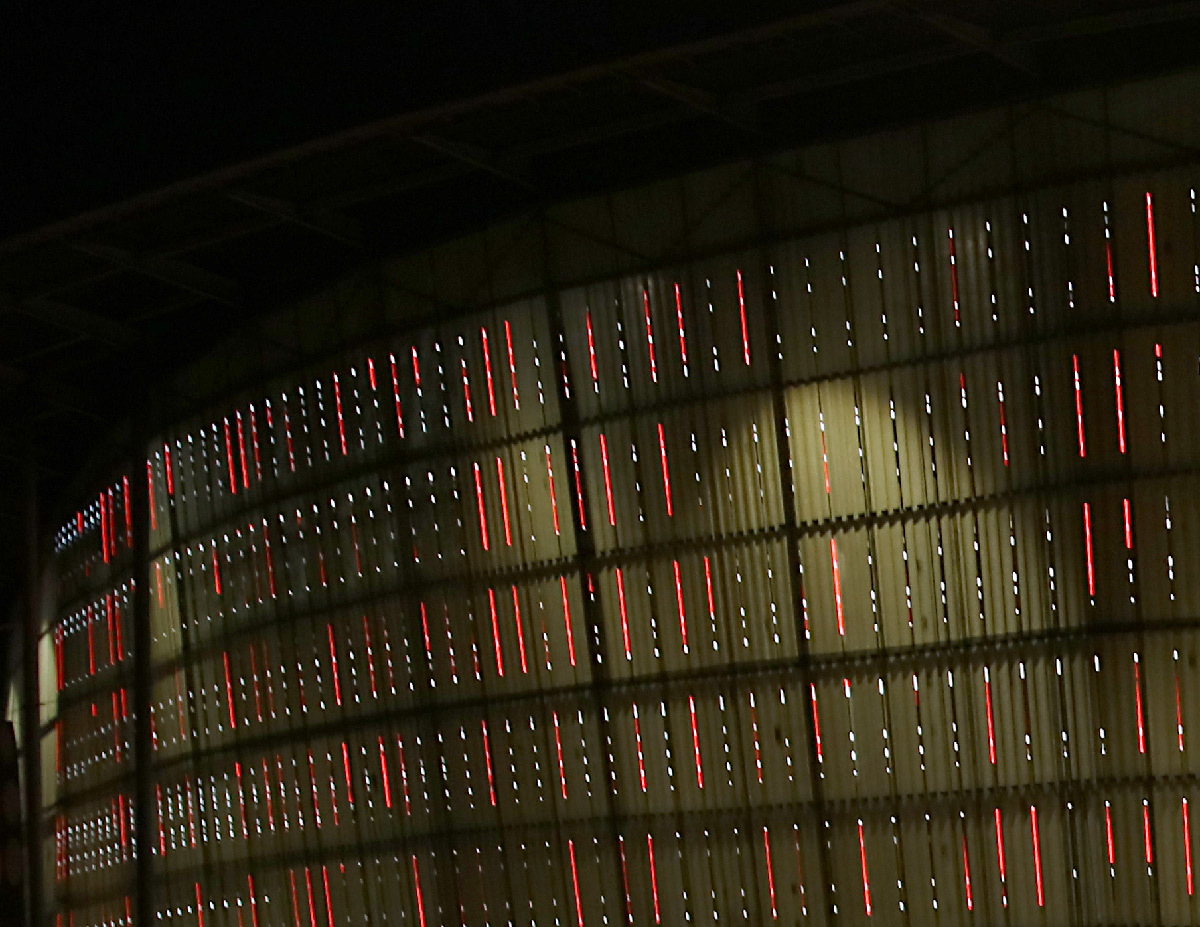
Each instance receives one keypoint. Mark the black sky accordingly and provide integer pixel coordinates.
(99, 101)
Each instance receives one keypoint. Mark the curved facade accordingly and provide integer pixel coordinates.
(751, 548)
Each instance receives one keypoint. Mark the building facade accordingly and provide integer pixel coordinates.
(810, 540)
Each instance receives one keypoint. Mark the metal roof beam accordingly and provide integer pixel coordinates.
(171, 271)
(71, 318)
(511, 170)
(328, 223)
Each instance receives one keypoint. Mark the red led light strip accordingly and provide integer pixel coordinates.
(553, 494)
(483, 531)
(487, 367)
(337, 399)
(837, 588)
(562, 769)
(1037, 855)
(624, 614)
(496, 631)
(566, 602)
(1147, 836)
(487, 756)
(467, 391)
(396, 394)
(696, 742)
(650, 336)
(1187, 847)
(1108, 834)
(592, 352)
(683, 631)
(991, 724)
(575, 883)
(417, 886)
(233, 482)
(1079, 406)
(679, 319)
(866, 877)
(1151, 244)
(812, 691)
(1120, 400)
(1000, 849)
(504, 501)
(578, 486)
(770, 872)
(653, 877)
(608, 491)
(666, 471)
(954, 279)
(637, 739)
(742, 310)
(520, 629)
(512, 364)
(1141, 718)
(967, 875)
(1087, 541)
(229, 691)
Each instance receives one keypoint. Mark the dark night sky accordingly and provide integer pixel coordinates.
(99, 101)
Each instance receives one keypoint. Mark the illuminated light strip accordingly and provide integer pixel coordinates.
(337, 683)
(608, 491)
(625, 880)
(991, 723)
(637, 739)
(241, 434)
(1037, 855)
(696, 742)
(562, 769)
(103, 529)
(1141, 718)
(683, 631)
(127, 505)
(653, 877)
(1146, 833)
(1127, 507)
(512, 364)
(504, 501)
(170, 470)
(124, 829)
(267, 791)
(592, 352)
(270, 559)
(1108, 834)
(487, 760)
(578, 486)
(496, 631)
(254, 444)
(1108, 260)
(1079, 406)
(650, 336)
(1087, 540)
(383, 768)
(254, 679)
(229, 691)
(566, 601)
(708, 587)
(483, 531)
(396, 394)
(812, 692)
(666, 471)
(291, 445)
(116, 716)
(91, 640)
(371, 373)
(199, 906)
(337, 400)
(1151, 245)
(553, 494)
(742, 309)
(1000, 849)
(967, 875)
(520, 629)
(112, 528)
(575, 884)
(370, 655)
(237, 767)
(312, 904)
(253, 899)
(866, 877)
(954, 279)
(770, 872)
(404, 777)
(487, 367)
(417, 884)
(1120, 400)
(216, 569)
(837, 588)
(467, 391)
(1003, 423)
(295, 896)
(624, 614)
(1179, 712)
(346, 769)
(233, 482)
(682, 336)
(1187, 847)
(112, 634)
(162, 833)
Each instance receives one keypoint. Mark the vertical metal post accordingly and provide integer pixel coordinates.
(31, 721)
